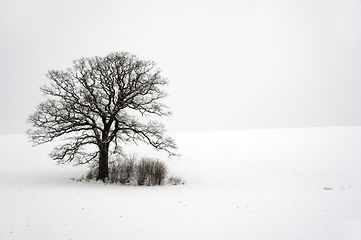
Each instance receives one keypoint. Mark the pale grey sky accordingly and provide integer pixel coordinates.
(231, 64)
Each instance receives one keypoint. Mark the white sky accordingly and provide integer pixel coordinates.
(231, 64)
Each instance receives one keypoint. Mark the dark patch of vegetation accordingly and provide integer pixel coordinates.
(131, 171)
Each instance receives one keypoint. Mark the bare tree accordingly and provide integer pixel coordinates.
(99, 102)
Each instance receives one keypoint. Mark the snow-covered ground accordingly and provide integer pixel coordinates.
(259, 184)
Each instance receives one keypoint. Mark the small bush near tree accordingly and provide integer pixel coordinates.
(147, 171)
(122, 170)
(175, 181)
(143, 171)
(151, 172)
(91, 174)
(159, 172)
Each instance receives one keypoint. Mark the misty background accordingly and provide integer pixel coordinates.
(232, 65)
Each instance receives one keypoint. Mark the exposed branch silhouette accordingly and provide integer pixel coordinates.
(101, 102)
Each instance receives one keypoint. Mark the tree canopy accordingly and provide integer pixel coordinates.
(102, 101)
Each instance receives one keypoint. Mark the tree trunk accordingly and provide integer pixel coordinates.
(103, 173)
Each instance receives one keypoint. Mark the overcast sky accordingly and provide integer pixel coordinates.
(231, 64)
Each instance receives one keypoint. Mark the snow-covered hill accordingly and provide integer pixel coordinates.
(259, 184)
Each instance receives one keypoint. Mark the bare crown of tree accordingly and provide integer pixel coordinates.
(100, 101)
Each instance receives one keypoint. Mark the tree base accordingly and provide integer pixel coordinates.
(105, 180)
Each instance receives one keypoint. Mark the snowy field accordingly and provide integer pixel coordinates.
(260, 184)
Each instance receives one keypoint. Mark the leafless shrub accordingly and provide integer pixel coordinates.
(126, 170)
(123, 170)
(175, 181)
(143, 170)
(151, 172)
(159, 171)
